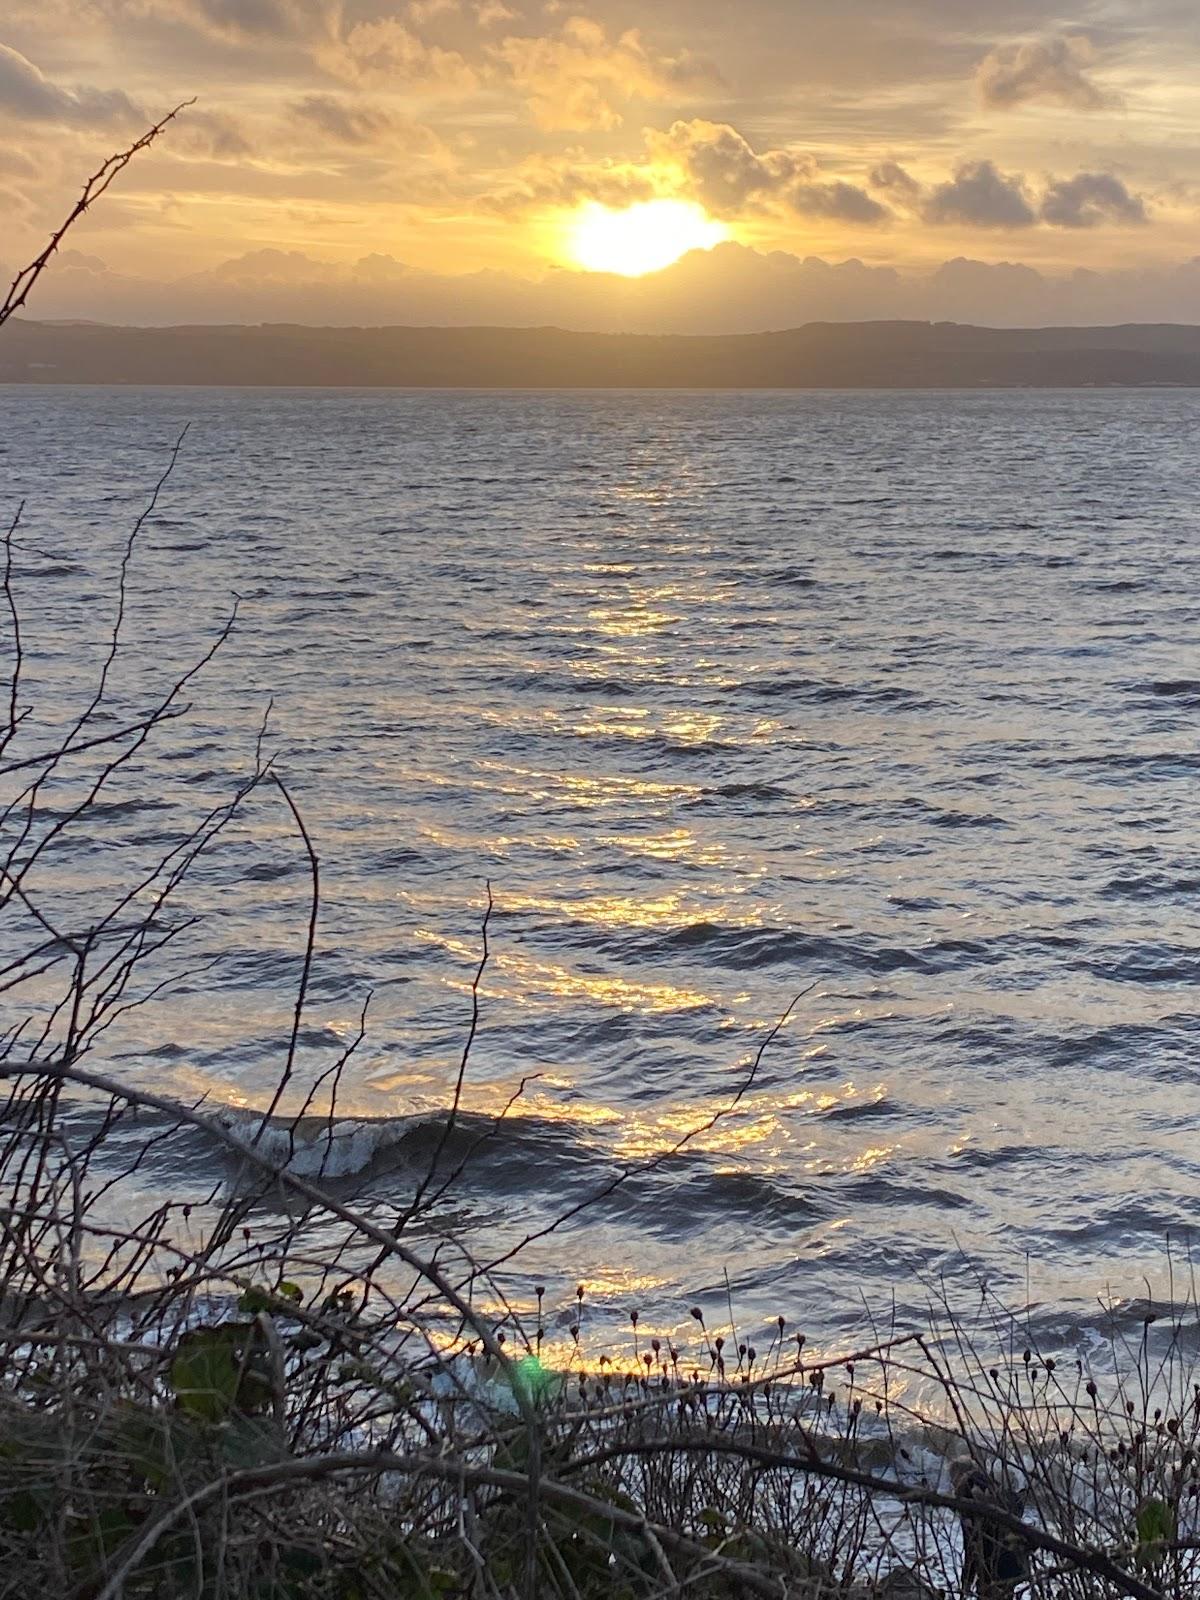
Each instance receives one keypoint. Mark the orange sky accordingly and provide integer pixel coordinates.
(339, 146)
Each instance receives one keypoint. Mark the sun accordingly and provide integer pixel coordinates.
(642, 238)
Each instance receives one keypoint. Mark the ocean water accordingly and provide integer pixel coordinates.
(888, 702)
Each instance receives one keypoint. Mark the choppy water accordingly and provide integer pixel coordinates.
(893, 696)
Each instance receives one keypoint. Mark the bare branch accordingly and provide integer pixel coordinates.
(96, 185)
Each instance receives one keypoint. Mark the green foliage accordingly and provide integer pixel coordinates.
(281, 1299)
(222, 1370)
(1154, 1529)
(1155, 1523)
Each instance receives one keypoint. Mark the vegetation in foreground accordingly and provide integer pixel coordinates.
(185, 1419)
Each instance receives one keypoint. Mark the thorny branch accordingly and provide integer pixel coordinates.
(23, 284)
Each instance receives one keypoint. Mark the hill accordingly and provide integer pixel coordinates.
(819, 355)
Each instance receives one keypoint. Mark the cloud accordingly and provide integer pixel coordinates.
(28, 94)
(385, 51)
(567, 180)
(273, 268)
(13, 204)
(1053, 69)
(273, 21)
(15, 163)
(980, 196)
(488, 13)
(728, 289)
(377, 48)
(721, 168)
(1091, 199)
(344, 121)
(718, 166)
(211, 133)
(573, 80)
(838, 202)
(314, 118)
(890, 178)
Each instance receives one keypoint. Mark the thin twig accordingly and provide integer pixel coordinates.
(95, 186)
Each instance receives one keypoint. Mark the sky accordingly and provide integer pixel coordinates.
(475, 161)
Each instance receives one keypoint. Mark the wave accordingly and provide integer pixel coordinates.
(320, 1147)
(760, 790)
(1147, 963)
(820, 691)
(749, 948)
(1184, 690)
(58, 569)
(863, 1110)
(1149, 765)
(745, 949)
(566, 683)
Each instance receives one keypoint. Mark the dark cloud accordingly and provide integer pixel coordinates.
(1090, 200)
(980, 196)
(340, 119)
(890, 178)
(28, 94)
(839, 202)
(723, 170)
(277, 21)
(1052, 69)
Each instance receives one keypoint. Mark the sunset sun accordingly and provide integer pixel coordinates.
(642, 238)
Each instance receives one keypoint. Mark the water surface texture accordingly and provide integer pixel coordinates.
(892, 699)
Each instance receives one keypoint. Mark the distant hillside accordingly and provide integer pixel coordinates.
(820, 355)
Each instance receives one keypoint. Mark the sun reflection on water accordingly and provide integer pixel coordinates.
(522, 980)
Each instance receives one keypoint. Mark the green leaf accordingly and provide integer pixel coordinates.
(218, 1370)
(1155, 1523)
(256, 1298)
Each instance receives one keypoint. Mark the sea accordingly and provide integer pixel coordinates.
(831, 761)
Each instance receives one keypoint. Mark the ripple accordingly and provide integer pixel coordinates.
(729, 697)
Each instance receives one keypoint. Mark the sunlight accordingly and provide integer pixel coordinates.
(642, 238)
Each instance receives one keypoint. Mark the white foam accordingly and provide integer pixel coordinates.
(315, 1147)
